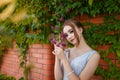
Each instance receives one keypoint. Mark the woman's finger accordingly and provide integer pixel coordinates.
(53, 52)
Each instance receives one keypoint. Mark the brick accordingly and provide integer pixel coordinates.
(48, 46)
(96, 78)
(36, 75)
(118, 63)
(83, 17)
(111, 56)
(110, 33)
(32, 59)
(11, 60)
(96, 20)
(113, 61)
(47, 72)
(48, 78)
(13, 52)
(33, 78)
(48, 67)
(103, 47)
(47, 51)
(13, 49)
(46, 61)
(40, 51)
(106, 67)
(3, 67)
(35, 46)
(103, 62)
(38, 65)
(7, 63)
(36, 55)
(87, 27)
(118, 17)
(32, 50)
(36, 70)
(48, 56)
(11, 55)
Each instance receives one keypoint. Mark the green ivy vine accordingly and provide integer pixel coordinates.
(42, 15)
(98, 35)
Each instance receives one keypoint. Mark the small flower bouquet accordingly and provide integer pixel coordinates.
(58, 39)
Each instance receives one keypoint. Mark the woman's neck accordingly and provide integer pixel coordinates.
(83, 44)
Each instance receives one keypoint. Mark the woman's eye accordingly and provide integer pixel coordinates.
(71, 31)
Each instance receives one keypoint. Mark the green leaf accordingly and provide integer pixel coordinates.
(118, 53)
(76, 4)
(90, 2)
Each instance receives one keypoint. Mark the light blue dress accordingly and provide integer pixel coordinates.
(79, 63)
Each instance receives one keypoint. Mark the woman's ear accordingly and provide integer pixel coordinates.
(80, 30)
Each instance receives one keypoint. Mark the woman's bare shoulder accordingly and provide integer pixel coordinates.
(96, 55)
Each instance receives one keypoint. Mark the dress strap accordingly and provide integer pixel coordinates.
(90, 54)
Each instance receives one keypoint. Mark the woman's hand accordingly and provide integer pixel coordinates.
(59, 52)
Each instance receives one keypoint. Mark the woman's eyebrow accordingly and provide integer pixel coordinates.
(70, 30)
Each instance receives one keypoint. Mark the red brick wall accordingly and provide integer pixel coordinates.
(43, 61)
(39, 55)
(41, 58)
(10, 64)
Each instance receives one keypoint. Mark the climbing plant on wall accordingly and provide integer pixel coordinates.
(38, 16)
(107, 33)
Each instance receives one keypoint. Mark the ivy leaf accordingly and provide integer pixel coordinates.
(116, 45)
(118, 53)
(90, 2)
(41, 37)
(22, 64)
(77, 4)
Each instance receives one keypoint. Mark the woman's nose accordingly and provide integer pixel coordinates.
(69, 36)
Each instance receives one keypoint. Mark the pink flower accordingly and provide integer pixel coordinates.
(58, 40)
(61, 19)
(69, 10)
(64, 45)
(57, 28)
(63, 35)
(53, 41)
(52, 27)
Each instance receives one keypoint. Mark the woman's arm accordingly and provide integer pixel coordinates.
(90, 68)
(59, 53)
(87, 73)
(57, 70)
(70, 74)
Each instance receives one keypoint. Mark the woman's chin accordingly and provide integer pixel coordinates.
(73, 43)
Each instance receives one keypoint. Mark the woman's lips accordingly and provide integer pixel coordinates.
(72, 40)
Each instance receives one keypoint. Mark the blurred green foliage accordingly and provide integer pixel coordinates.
(44, 15)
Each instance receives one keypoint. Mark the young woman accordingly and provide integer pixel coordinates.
(79, 62)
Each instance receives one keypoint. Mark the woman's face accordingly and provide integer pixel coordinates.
(69, 33)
